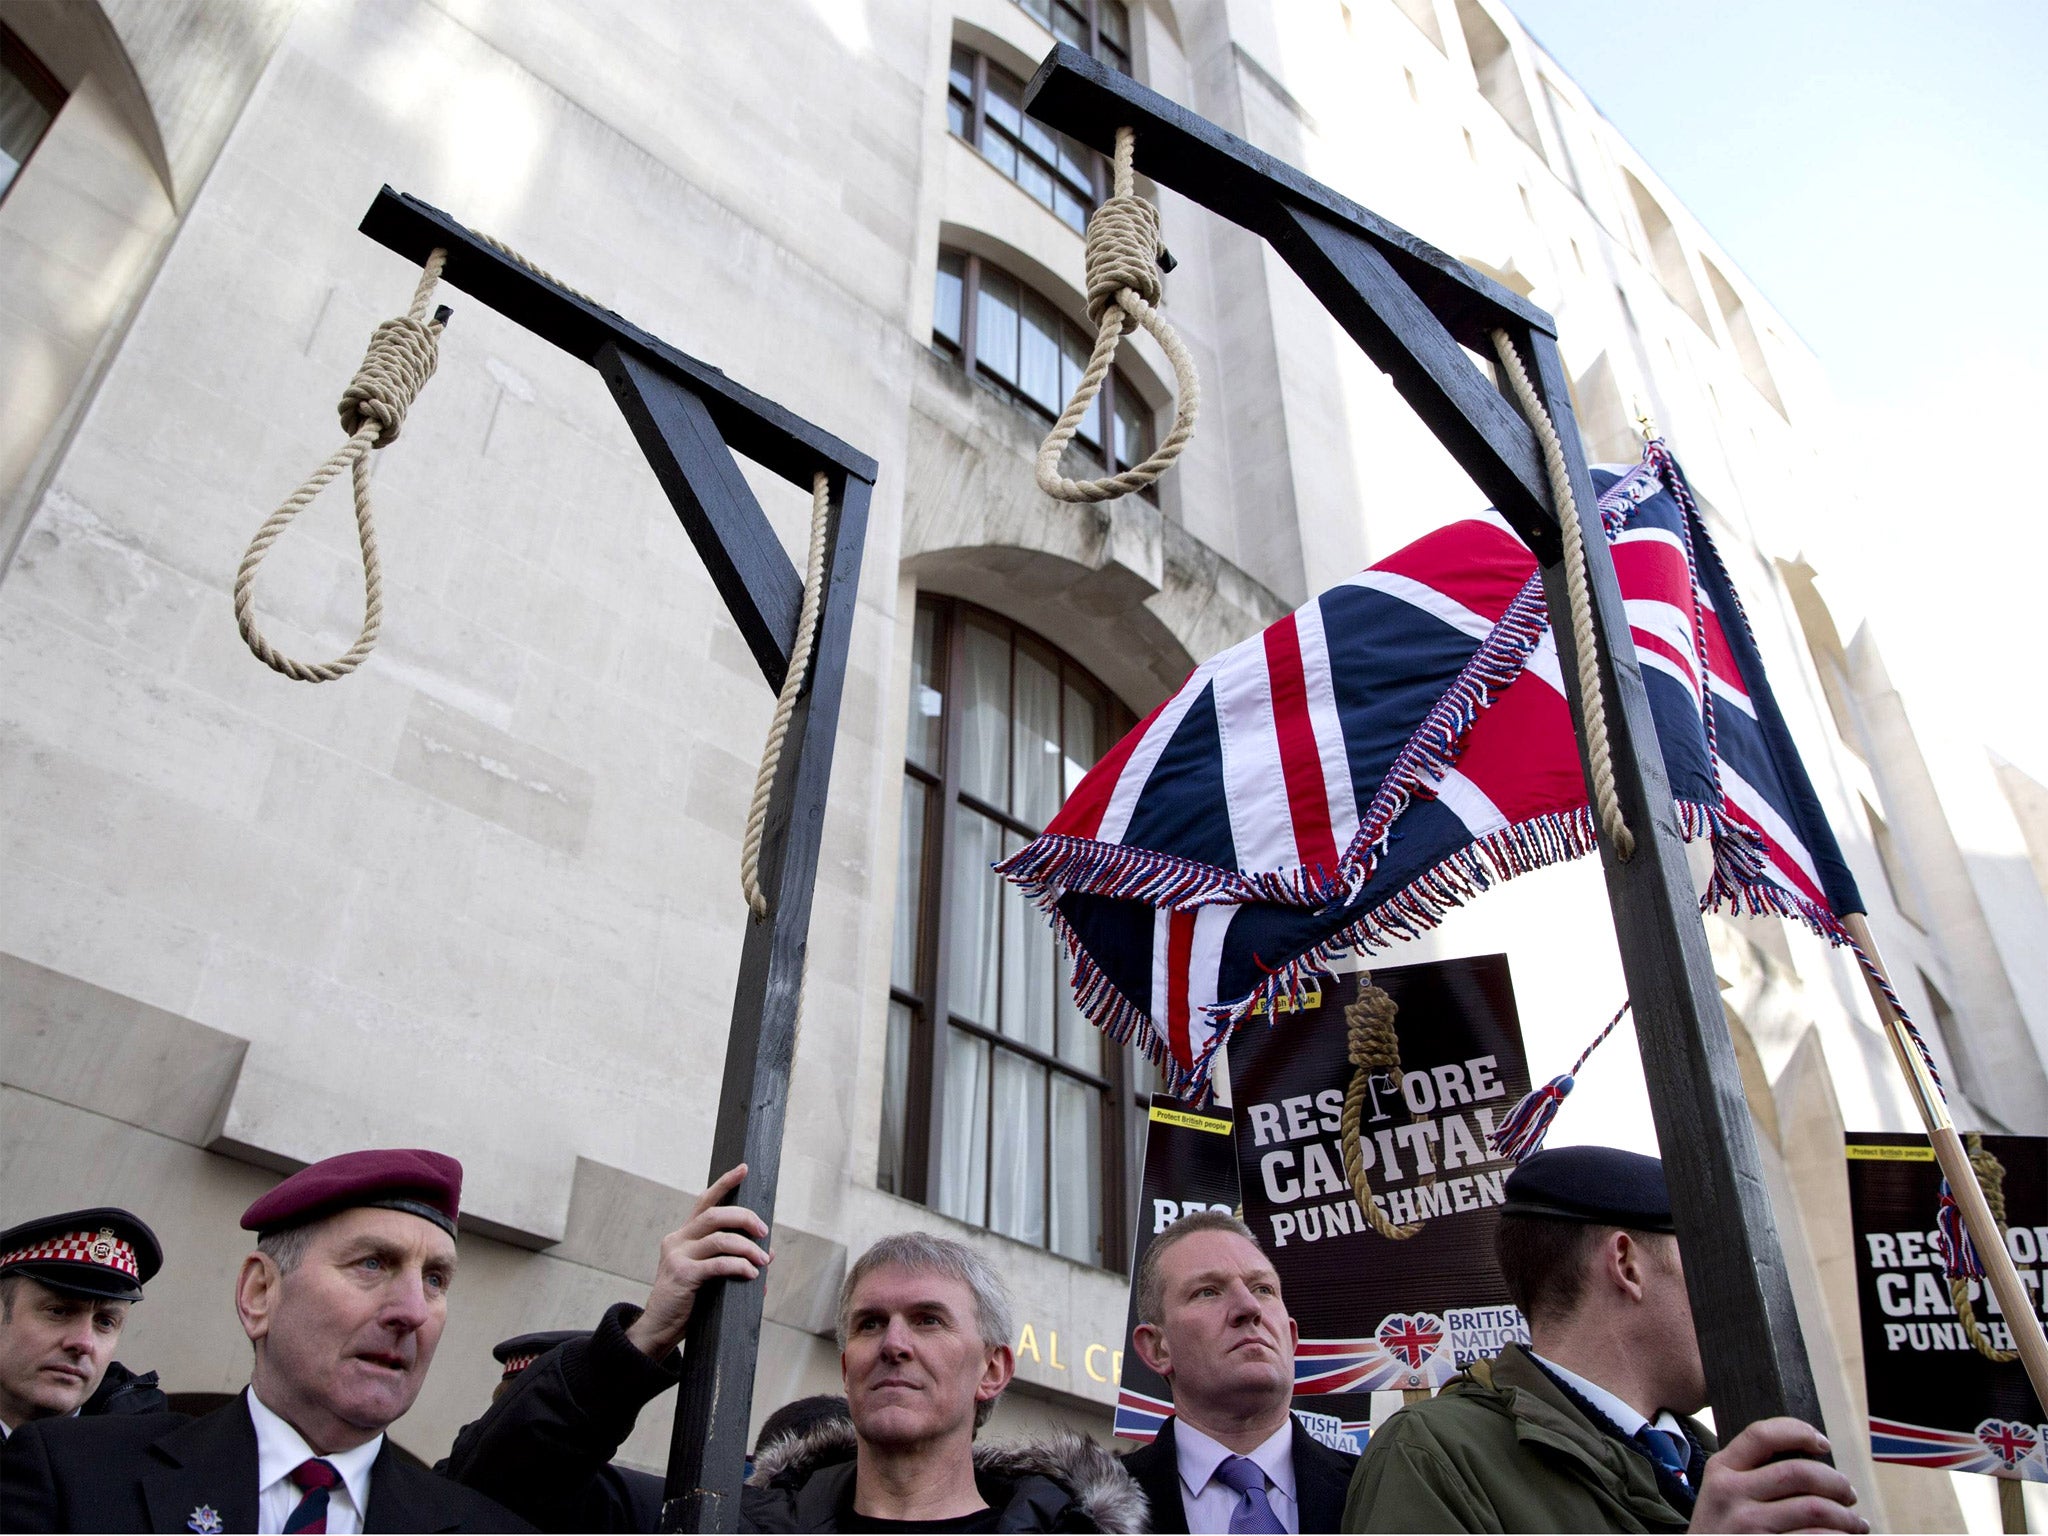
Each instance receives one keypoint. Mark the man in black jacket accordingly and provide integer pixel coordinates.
(1232, 1457)
(344, 1300)
(544, 1448)
(66, 1284)
(924, 1352)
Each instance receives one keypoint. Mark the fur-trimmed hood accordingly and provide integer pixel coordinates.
(1061, 1481)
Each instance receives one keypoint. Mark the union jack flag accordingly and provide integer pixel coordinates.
(1391, 749)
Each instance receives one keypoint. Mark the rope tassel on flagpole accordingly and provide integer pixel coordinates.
(1521, 1133)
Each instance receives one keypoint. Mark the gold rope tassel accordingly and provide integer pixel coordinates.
(1991, 1179)
(1375, 1050)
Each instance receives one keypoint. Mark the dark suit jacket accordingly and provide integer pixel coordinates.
(164, 1471)
(544, 1450)
(1321, 1477)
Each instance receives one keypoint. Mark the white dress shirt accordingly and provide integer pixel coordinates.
(1625, 1418)
(1208, 1501)
(279, 1451)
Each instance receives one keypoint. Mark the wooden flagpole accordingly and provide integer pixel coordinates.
(1999, 1272)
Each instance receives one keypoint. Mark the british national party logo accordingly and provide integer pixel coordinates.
(2011, 1443)
(1413, 1339)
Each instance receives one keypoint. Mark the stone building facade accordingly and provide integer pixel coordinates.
(483, 894)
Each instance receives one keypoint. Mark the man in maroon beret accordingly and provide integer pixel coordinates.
(344, 1300)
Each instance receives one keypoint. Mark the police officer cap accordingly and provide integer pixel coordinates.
(522, 1349)
(101, 1252)
(423, 1184)
(1599, 1185)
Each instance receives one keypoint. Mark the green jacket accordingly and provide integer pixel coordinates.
(1501, 1449)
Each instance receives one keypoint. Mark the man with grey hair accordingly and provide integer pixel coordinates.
(344, 1301)
(1232, 1456)
(925, 1352)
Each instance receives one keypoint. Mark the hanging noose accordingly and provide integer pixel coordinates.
(1375, 1051)
(1991, 1179)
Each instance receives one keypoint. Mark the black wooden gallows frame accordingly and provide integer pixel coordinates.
(690, 419)
(1414, 311)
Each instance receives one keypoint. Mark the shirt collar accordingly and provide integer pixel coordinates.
(1624, 1418)
(1199, 1456)
(280, 1449)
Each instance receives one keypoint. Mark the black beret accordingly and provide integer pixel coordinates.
(1600, 1185)
(104, 1251)
(522, 1349)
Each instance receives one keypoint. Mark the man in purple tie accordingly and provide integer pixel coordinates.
(1232, 1457)
(344, 1300)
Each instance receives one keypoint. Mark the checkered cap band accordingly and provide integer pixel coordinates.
(102, 1248)
(514, 1364)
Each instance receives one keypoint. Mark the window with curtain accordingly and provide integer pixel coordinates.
(1003, 1106)
(1003, 333)
(30, 98)
(1100, 27)
(985, 106)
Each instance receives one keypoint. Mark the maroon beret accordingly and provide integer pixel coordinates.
(424, 1184)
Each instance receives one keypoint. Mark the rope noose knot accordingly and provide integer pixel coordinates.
(1122, 273)
(401, 357)
(1123, 253)
(1991, 1179)
(1373, 1044)
(1375, 1050)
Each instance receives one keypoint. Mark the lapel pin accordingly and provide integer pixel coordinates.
(205, 1521)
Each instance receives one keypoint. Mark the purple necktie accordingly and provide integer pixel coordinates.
(1253, 1513)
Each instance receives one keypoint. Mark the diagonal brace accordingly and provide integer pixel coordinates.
(717, 506)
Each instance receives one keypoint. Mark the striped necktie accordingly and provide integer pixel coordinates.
(312, 1479)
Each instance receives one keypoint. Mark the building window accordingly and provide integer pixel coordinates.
(1498, 75)
(1100, 27)
(985, 106)
(1667, 252)
(1748, 350)
(1002, 1107)
(1008, 336)
(1896, 877)
(30, 98)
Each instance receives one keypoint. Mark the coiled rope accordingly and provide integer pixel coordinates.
(1375, 1051)
(1585, 640)
(401, 358)
(785, 701)
(1991, 1179)
(1123, 278)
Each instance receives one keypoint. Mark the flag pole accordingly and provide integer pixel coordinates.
(1999, 1272)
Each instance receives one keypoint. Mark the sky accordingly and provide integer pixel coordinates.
(1879, 170)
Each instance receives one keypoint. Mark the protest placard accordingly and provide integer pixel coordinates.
(1935, 1399)
(1376, 1313)
(1189, 1167)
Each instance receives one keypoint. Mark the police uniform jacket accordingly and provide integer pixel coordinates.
(1321, 1476)
(544, 1449)
(168, 1472)
(1504, 1448)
